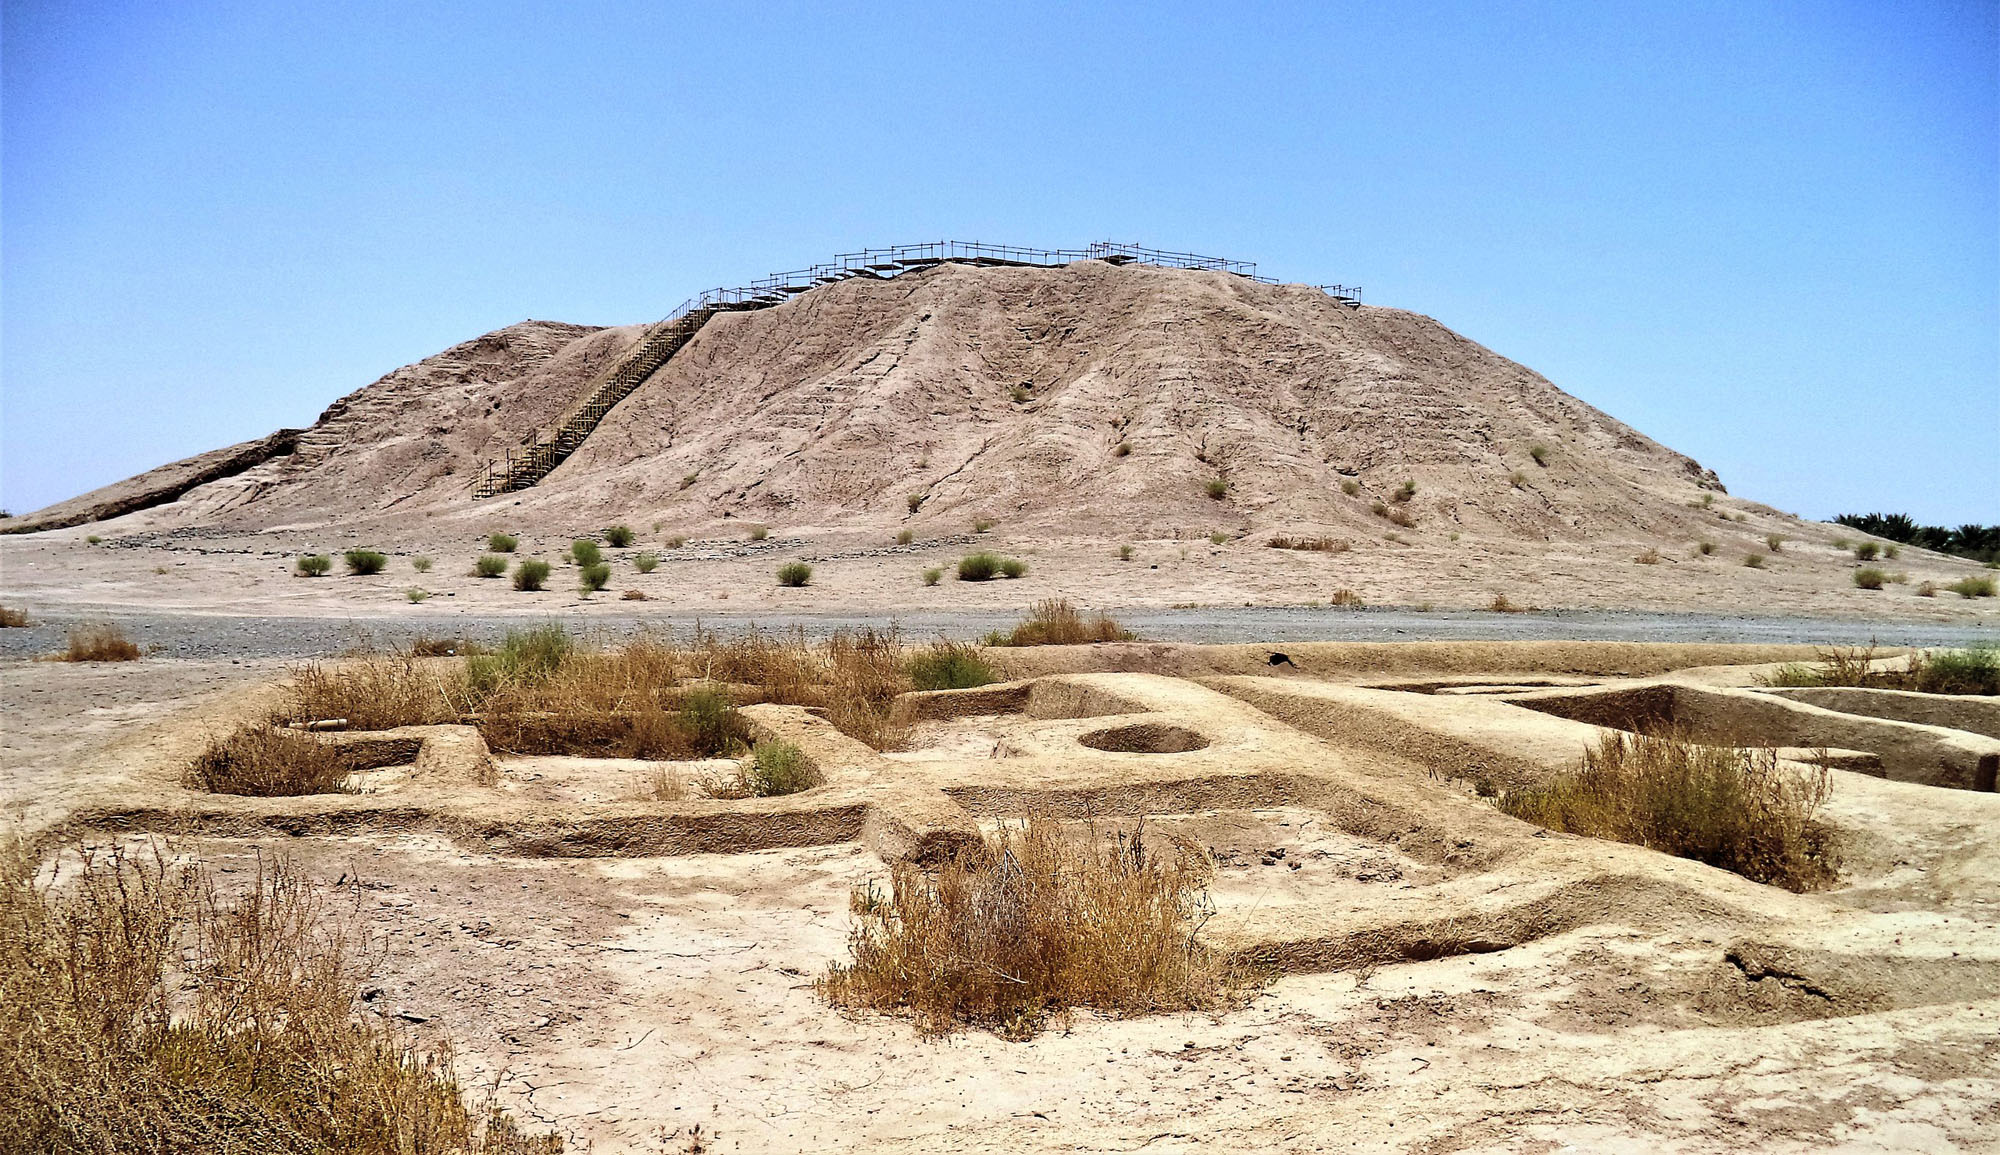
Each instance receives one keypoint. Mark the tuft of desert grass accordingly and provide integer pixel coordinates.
(421, 564)
(1867, 551)
(1738, 809)
(362, 562)
(1056, 622)
(1973, 587)
(12, 619)
(982, 524)
(490, 565)
(594, 577)
(1501, 605)
(1346, 599)
(1540, 453)
(914, 502)
(142, 1009)
(313, 565)
(618, 536)
(932, 576)
(263, 761)
(795, 574)
(1030, 926)
(979, 567)
(1869, 578)
(759, 532)
(1217, 488)
(1774, 542)
(585, 551)
(634, 596)
(1218, 538)
(501, 542)
(645, 562)
(1705, 548)
(1122, 449)
(778, 768)
(1754, 560)
(948, 665)
(1125, 553)
(1350, 487)
(100, 642)
(905, 537)
(417, 594)
(530, 573)
(1648, 556)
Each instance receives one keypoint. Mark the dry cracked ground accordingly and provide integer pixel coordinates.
(1446, 978)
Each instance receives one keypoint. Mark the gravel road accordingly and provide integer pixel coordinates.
(242, 637)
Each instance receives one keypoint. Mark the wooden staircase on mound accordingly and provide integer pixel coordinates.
(519, 470)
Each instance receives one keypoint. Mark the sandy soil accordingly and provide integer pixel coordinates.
(1597, 997)
(252, 575)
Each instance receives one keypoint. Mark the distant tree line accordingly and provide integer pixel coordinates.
(1978, 542)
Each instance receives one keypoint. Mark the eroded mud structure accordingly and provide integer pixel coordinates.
(616, 963)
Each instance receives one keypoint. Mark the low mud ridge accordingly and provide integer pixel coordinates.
(632, 965)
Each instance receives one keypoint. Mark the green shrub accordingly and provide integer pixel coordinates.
(421, 564)
(416, 593)
(905, 537)
(759, 532)
(1869, 578)
(1867, 551)
(1404, 492)
(645, 562)
(778, 768)
(1892, 552)
(1018, 394)
(1754, 560)
(490, 565)
(523, 657)
(501, 542)
(362, 562)
(915, 501)
(1124, 553)
(594, 577)
(1540, 453)
(710, 719)
(931, 576)
(1350, 487)
(1975, 670)
(314, 565)
(676, 541)
(1973, 587)
(1013, 567)
(978, 567)
(950, 666)
(584, 551)
(1217, 488)
(794, 574)
(530, 573)
(1217, 538)
(618, 536)
(93, 539)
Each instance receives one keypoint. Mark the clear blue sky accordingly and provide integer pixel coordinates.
(1765, 234)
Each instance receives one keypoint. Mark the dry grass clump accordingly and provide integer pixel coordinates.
(1501, 605)
(141, 1010)
(947, 665)
(984, 567)
(1310, 544)
(268, 762)
(1056, 622)
(1030, 926)
(1869, 578)
(1648, 556)
(100, 642)
(658, 696)
(12, 619)
(1732, 808)
(1346, 599)
(1973, 587)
